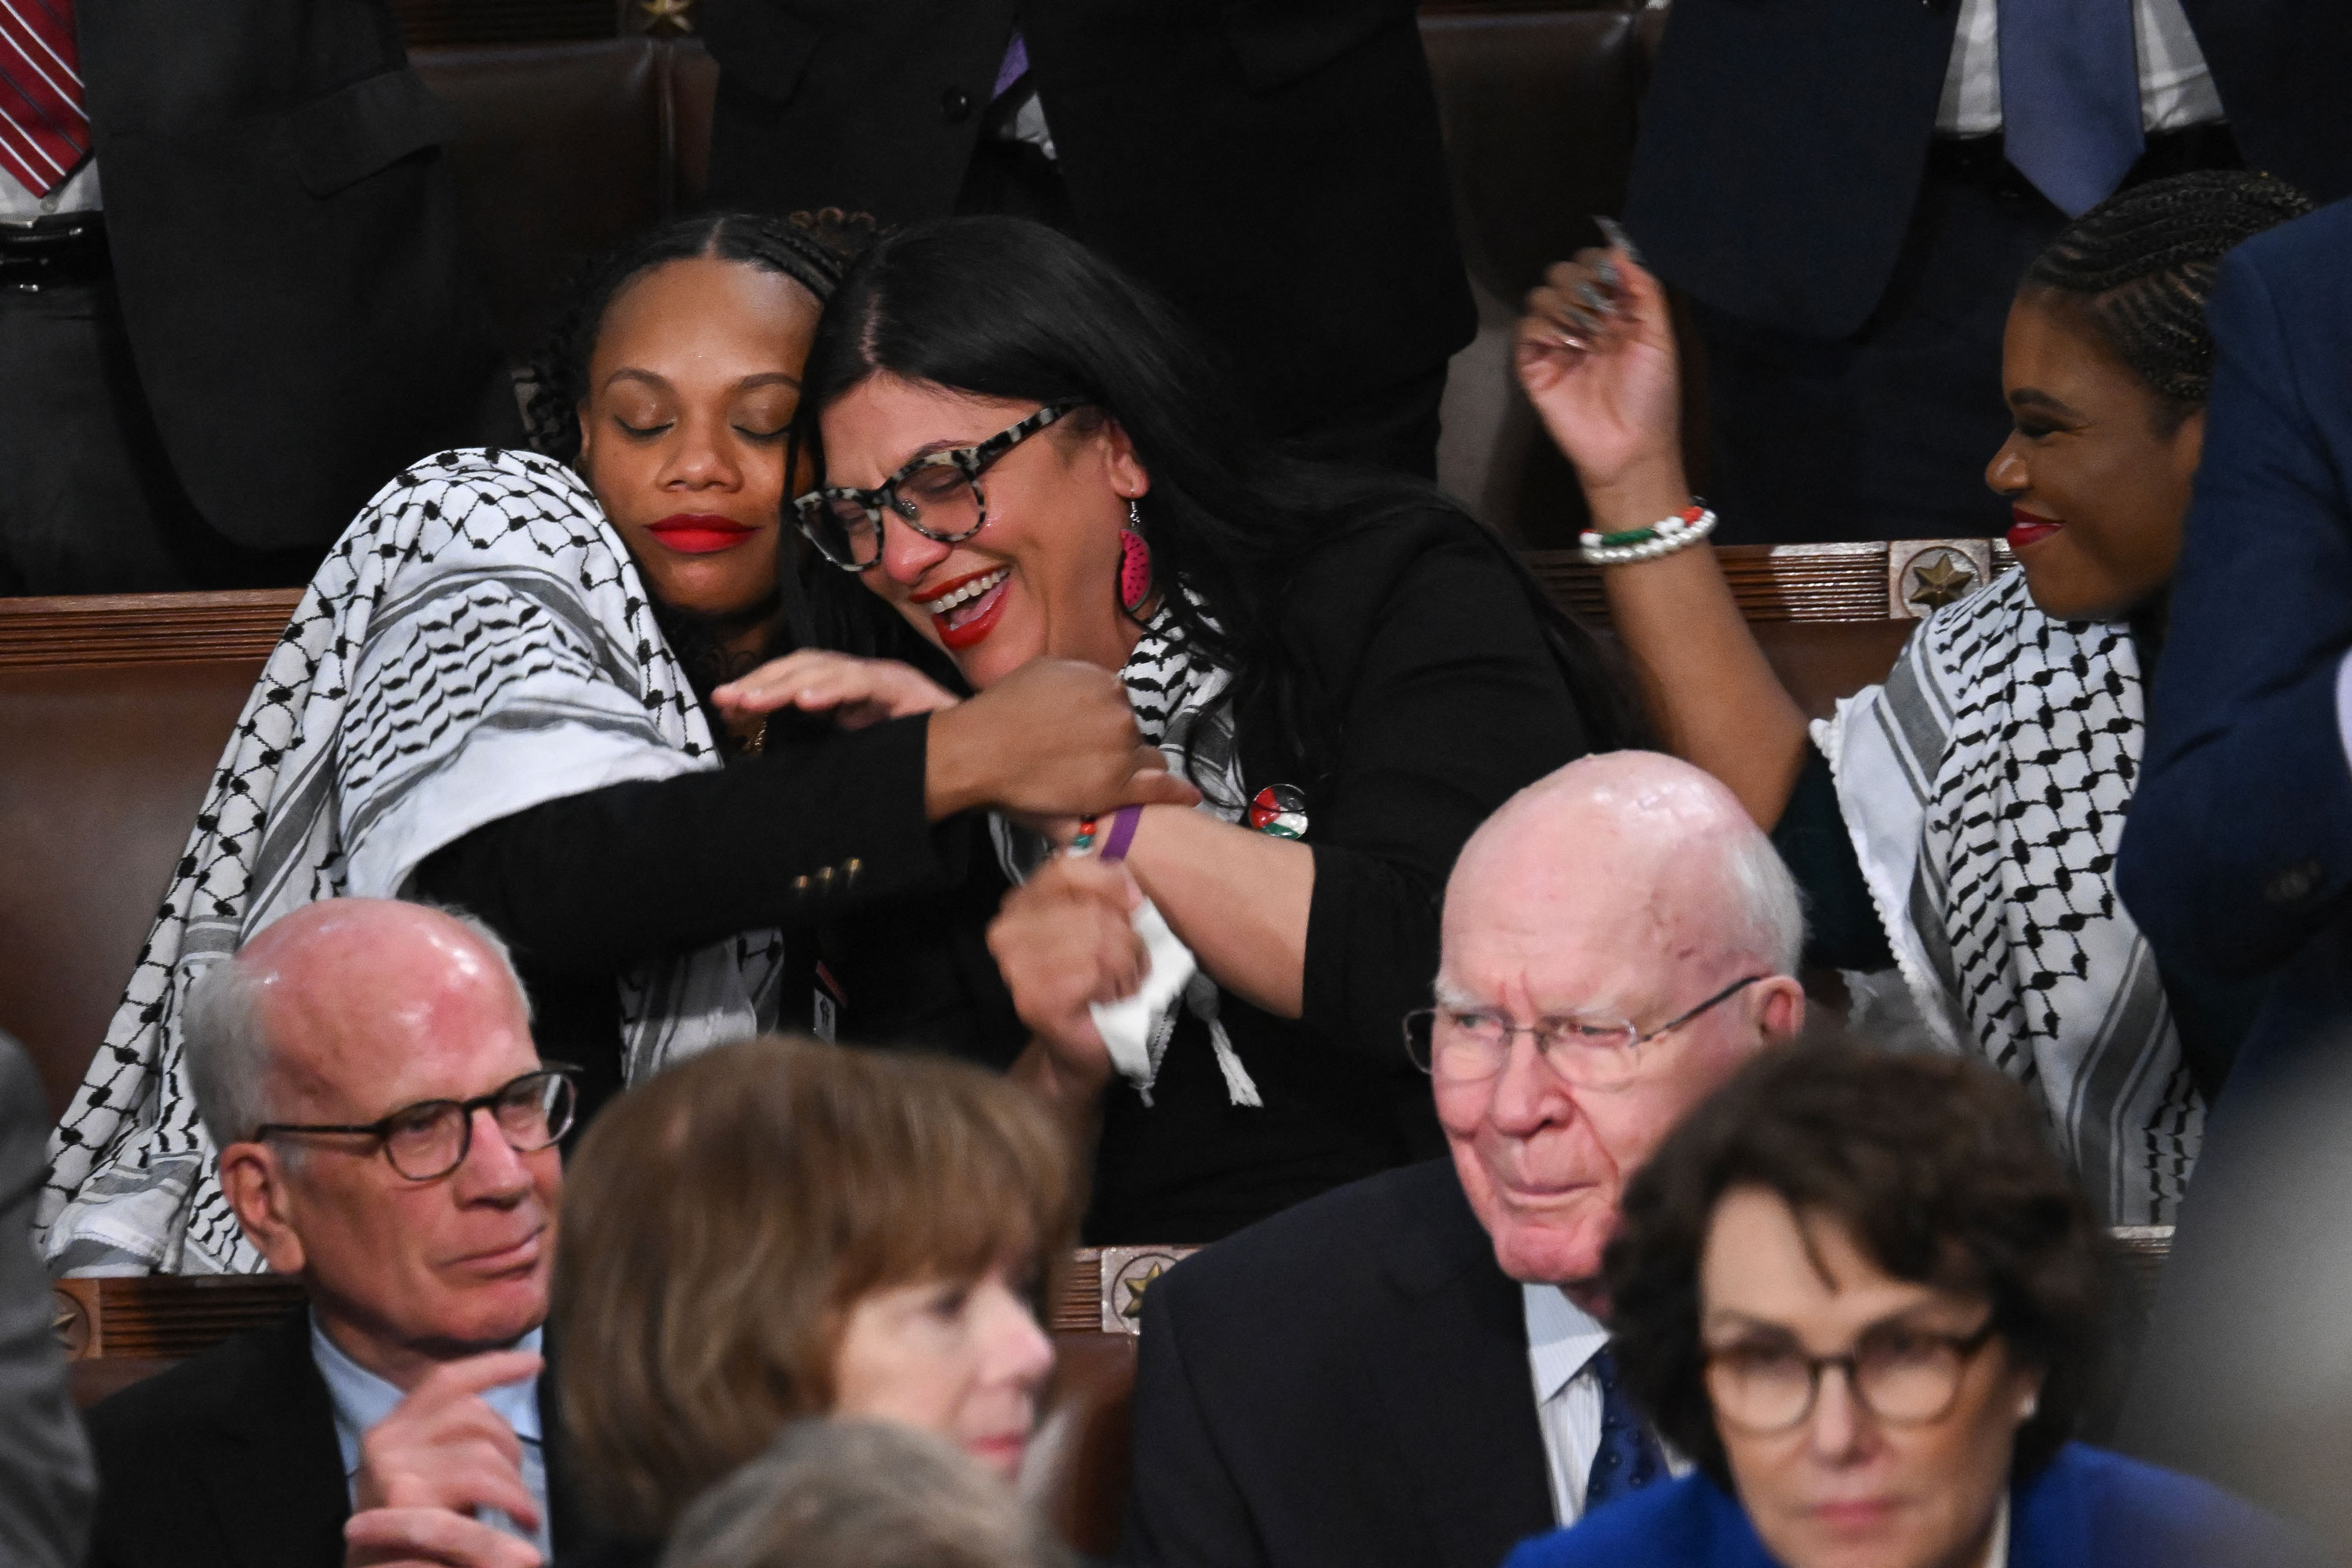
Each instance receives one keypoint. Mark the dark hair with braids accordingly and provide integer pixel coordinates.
(813, 249)
(1004, 308)
(2143, 263)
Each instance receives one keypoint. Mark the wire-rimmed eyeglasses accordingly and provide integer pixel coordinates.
(1904, 1376)
(1467, 1044)
(427, 1141)
(937, 495)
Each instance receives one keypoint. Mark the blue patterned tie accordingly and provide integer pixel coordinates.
(2070, 97)
(1629, 1458)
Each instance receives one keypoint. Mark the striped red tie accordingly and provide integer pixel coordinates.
(43, 132)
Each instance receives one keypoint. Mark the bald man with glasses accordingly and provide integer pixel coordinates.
(1410, 1370)
(387, 1136)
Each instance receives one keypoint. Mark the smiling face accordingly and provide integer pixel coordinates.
(373, 1007)
(1843, 1489)
(1041, 577)
(2099, 477)
(964, 1359)
(694, 378)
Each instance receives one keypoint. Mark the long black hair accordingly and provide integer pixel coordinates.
(2144, 262)
(814, 249)
(1004, 308)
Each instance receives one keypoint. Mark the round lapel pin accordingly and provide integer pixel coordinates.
(1279, 810)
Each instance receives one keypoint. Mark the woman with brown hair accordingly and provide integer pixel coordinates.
(781, 1228)
(1857, 1290)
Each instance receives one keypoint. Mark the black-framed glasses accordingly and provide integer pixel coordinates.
(1904, 1376)
(1467, 1044)
(937, 496)
(427, 1141)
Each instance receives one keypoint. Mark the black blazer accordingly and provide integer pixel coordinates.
(230, 1460)
(1783, 141)
(285, 249)
(1346, 1385)
(1273, 166)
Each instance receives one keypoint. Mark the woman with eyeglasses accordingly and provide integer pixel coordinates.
(1021, 456)
(496, 695)
(1860, 1302)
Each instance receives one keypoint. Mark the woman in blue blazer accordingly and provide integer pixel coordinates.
(1859, 1293)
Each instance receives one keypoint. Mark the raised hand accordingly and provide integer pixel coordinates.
(439, 1456)
(1063, 940)
(1596, 354)
(857, 691)
(1057, 738)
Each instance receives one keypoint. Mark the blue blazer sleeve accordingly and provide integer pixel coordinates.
(2240, 844)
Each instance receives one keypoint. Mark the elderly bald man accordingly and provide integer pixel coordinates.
(1411, 1369)
(387, 1136)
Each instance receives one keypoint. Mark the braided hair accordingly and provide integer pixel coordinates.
(2143, 264)
(813, 249)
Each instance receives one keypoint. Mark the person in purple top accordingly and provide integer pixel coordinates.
(1860, 1302)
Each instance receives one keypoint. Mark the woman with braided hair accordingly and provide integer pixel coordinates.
(496, 694)
(1955, 828)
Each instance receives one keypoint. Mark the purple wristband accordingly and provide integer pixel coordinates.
(1121, 834)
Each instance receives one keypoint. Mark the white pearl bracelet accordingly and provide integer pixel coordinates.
(1665, 538)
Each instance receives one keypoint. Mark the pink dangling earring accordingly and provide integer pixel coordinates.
(1134, 563)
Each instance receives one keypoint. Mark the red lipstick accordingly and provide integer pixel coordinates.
(2026, 528)
(701, 533)
(970, 620)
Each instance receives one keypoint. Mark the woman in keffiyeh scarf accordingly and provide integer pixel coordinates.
(1023, 458)
(496, 694)
(1955, 828)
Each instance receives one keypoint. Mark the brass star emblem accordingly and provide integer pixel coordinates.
(671, 13)
(1941, 580)
(1135, 1288)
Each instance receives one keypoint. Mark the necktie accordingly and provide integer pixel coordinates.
(43, 131)
(2069, 96)
(1629, 1458)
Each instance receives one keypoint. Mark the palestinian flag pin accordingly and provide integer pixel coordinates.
(1279, 810)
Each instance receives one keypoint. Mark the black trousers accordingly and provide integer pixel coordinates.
(88, 500)
(1887, 434)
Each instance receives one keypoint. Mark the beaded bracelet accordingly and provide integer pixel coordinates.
(1680, 532)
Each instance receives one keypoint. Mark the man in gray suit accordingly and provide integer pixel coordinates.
(45, 1486)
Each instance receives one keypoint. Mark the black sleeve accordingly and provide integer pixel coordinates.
(807, 831)
(1457, 703)
(1843, 929)
(1183, 1509)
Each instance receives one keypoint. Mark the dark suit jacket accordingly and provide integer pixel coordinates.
(45, 1477)
(1345, 1383)
(1273, 166)
(286, 253)
(230, 1460)
(1783, 141)
(2238, 851)
(2086, 1508)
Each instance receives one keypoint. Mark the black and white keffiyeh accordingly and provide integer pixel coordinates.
(1174, 692)
(477, 643)
(1986, 786)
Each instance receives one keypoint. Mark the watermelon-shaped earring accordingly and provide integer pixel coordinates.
(1134, 563)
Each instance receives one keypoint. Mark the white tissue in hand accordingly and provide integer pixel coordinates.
(1126, 1024)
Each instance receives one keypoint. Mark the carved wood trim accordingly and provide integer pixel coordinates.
(1771, 582)
(144, 628)
(1795, 582)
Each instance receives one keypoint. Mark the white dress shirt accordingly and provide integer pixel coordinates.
(1562, 1340)
(362, 1400)
(78, 195)
(2175, 90)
